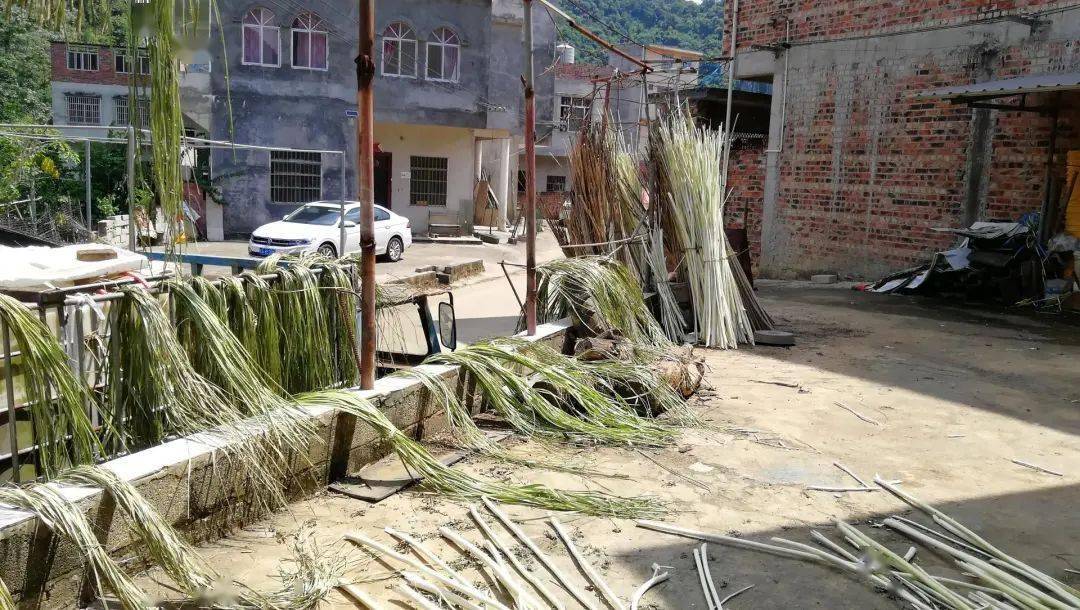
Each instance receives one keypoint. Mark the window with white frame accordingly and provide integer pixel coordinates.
(399, 50)
(310, 42)
(262, 39)
(443, 56)
(83, 109)
(123, 63)
(574, 111)
(82, 58)
(295, 177)
(427, 181)
(556, 184)
(122, 111)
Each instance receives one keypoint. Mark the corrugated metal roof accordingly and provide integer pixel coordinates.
(1038, 83)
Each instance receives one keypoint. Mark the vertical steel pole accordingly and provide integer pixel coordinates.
(89, 211)
(365, 100)
(9, 389)
(342, 236)
(530, 175)
(730, 86)
(131, 186)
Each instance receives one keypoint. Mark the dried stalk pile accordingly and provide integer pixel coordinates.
(607, 202)
(995, 580)
(687, 162)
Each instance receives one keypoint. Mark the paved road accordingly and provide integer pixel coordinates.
(419, 255)
(485, 304)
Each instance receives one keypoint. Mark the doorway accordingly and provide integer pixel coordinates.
(384, 162)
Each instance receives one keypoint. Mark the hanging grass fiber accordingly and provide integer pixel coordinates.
(6, 601)
(154, 388)
(455, 483)
(57, 398)
(163, 544)
(67, 519)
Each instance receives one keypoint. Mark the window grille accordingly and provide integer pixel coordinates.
(84, 109)
(122, 111)
(427, 181)
(574, 111)
(82, 58)
(556, 184)
(295, 177)
(443, 56)
(399, 50)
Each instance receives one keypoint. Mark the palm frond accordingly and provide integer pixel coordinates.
(458, 484)
(600, 293)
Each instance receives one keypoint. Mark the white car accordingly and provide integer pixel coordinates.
(314, 227)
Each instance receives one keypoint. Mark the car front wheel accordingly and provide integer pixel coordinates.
(394, 249)
(328, 250)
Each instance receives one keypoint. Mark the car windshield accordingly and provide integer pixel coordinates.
(315, 215)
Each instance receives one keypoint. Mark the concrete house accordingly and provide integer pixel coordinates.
(91, 86)
(890, 119)
(448, 102)
(575, 103)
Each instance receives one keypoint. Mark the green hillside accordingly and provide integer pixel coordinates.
(680, 23)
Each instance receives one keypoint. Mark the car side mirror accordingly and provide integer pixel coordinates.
(447, 325)
(349, 224)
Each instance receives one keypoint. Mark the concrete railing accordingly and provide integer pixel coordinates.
(191, 482)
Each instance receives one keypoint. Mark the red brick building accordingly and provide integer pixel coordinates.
(861, 164)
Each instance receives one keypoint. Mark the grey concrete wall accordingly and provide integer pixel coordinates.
(196, 489)
(287, 107)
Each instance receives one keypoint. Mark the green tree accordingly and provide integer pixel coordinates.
(679, 23)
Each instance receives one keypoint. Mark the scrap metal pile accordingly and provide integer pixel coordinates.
(663, 219)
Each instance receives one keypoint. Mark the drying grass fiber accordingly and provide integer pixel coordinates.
(562, 400)
(687, 159)
(602, 294)
(58, 400)
(454, 483)
(6, 601)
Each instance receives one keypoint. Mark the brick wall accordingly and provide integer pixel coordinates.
(867, 170)
(746, 180)
(105, 74)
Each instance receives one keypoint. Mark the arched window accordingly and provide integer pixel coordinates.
(443, 56)
(399, 50)
(310, 45)
(262, 40)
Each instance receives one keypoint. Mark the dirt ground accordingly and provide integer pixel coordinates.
(955, 394)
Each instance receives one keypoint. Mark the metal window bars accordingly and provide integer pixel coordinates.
(427, 180)
(84, 109)
(295, 177)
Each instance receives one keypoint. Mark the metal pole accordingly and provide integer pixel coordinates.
(342, 237)
(530, 176)
(89, 211)
(365, 100)
(131, 186)
(730, 86)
